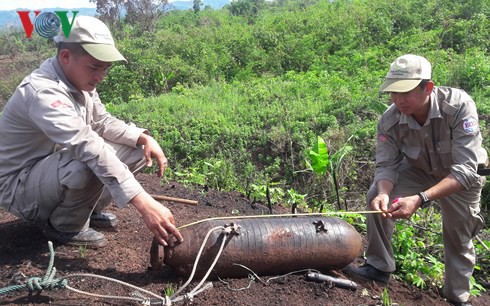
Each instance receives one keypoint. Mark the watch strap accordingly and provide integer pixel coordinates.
(425, 199)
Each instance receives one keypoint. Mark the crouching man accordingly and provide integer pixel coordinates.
(63, 157)
(429, 148)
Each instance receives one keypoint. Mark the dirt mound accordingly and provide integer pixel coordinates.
(24, 253)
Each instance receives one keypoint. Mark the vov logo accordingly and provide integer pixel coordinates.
(47, 24)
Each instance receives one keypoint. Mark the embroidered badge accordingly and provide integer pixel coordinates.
(470, 125)
(56, 104)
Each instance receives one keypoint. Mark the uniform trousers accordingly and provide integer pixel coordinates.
(63, 191)
(461, 221)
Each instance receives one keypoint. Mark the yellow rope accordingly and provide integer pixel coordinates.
(285, 215)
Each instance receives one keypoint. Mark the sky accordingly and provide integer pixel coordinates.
(37, 4)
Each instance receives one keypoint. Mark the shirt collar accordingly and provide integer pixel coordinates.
(62, 80)
(53, 65)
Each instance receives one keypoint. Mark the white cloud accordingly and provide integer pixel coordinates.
(36, 4)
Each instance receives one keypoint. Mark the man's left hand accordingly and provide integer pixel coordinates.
(403, 208)
(151, 149)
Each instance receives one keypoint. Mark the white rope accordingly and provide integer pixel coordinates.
(482, 243)
(165, 300)
(227, 230)
(254, 276)
(225, 235)
(161, 300)
(328, 213)
(274, 277)
(251, 280)
(173, 297)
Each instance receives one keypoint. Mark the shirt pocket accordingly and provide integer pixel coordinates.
(23, 207)
(444, 150)
(412, 154)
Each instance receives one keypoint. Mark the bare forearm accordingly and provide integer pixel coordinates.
(405, 207)
(445, 187)
(384, 187)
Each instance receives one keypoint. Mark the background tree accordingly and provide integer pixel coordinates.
(145, 13)
(196, 5)
(110, 11)
(246, 8)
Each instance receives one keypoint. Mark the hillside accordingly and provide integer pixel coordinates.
(10, 18)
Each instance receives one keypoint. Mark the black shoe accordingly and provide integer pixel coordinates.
(88, 238)
(459, 303)
(369, 272)
(103, 220)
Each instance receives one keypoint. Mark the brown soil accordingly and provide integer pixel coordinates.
(24, 252)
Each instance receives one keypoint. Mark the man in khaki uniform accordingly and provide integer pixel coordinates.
(63, 157)
(429, 148)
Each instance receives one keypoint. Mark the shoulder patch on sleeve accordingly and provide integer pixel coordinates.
(470, 125)
(58, 103)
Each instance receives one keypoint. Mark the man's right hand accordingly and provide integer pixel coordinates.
(380, 203)
(382, 200)
(404, 208)
(158, 218)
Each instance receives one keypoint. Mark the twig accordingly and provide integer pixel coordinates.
(170, 199)
(482, 243)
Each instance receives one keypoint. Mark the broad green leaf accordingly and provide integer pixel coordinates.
(319, 156)
(378, 107)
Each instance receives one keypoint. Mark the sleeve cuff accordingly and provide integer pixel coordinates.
(132, 134)
(123, 193)
(386, 174)
(466, 177)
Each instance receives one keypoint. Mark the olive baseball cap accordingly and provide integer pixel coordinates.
(406, 73)
(94, 37)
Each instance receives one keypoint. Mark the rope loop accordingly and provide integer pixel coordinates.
(231, 228)
(189, 297)
(39, 284)
(47, 282)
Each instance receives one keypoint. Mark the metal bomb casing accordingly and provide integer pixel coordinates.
(266, 246)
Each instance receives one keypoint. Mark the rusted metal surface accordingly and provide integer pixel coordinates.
(267, 246)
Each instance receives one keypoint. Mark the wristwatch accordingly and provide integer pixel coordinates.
(425, 199)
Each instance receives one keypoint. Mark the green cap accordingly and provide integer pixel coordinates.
(94, 36)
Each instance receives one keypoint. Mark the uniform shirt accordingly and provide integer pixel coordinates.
(449, 142)
(46, 113)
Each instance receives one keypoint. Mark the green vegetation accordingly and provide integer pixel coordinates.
(82, 251)
(169, 291)
(238, 97)
(419, 249)
(323, 164)
(385, 298)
